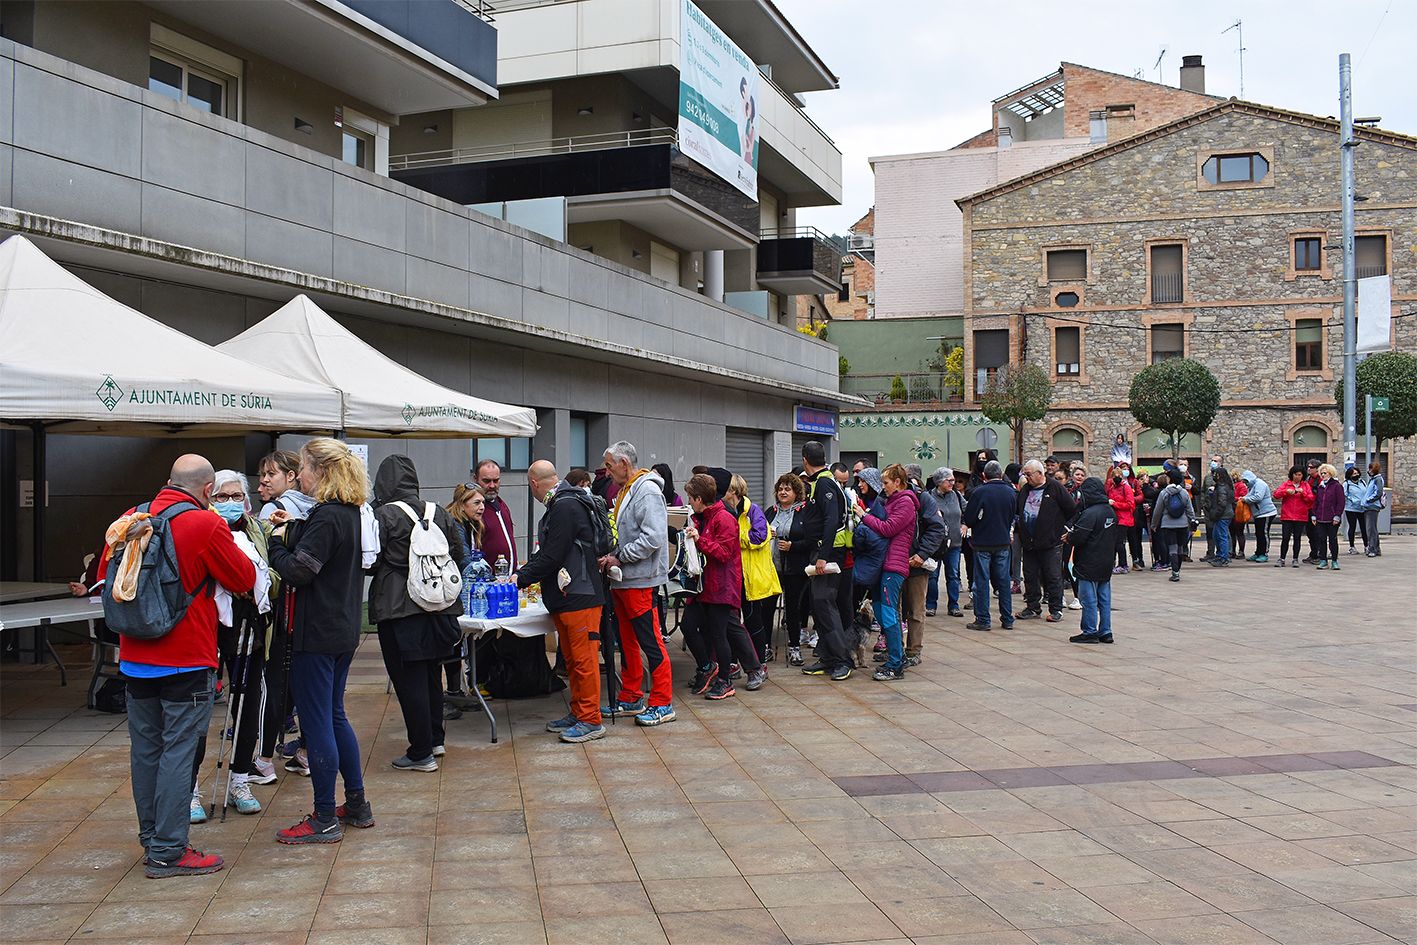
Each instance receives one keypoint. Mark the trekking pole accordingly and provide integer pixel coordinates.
(221, 733)
(243, 663)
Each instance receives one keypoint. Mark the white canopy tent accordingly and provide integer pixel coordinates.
(77, 361)
(381, 396)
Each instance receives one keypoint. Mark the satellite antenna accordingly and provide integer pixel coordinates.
(1157, 65)
(1240, 34)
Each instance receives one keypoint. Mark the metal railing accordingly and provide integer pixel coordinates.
(635, 138)
(802, 232)
(1166, 287)
(919, 388)
(482, 9)
(1367, 272)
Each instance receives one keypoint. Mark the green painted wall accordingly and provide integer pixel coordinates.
(892, 345)
(931, 438)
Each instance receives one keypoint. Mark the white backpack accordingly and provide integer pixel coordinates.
(434, 581)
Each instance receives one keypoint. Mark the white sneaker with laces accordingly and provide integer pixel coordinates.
(1074, 604)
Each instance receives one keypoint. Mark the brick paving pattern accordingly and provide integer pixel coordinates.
(1238, 768)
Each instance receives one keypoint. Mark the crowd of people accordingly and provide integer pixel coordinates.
(273, 596)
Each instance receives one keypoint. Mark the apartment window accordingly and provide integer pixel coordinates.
(1235, 168)
(991, 352)
(357, 148)
(1167, 342)
(843, 294)
(1308, 254)
(1370, 256)
(1067, 351)
(1067, 265)
(580, 440)
(1309, 344)
(183, 81)
(1168, 279)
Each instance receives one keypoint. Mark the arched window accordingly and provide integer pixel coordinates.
(1309, 442)
(1153, 447)
(1068, 445)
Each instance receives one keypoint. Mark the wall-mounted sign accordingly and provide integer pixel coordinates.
(814, 420)
(718, 101)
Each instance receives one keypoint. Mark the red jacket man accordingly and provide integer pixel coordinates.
(171, 681)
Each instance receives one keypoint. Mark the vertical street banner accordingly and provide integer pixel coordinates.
(1374, 314)
(718, 101)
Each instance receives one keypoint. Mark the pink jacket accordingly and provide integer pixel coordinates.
(898, 528)
(1295, 500)
(723, 561)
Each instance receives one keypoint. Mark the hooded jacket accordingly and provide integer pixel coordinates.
(723, 560)
(1162, 518)
(397, 481)
(868, 549)
(898, 528)
(642, 532)
(566, 540)
(929, 535)
(1094, 533)
(1258, 495)
(1219, 500)
(297, 503)
(1123, 499)
(323, 568)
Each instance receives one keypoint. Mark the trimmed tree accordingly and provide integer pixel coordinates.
(1392, 374)
(1177, 396)
(1015, 394)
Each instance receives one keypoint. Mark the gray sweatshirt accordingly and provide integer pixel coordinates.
(951, 506)
(642, 534)
(1159, 516)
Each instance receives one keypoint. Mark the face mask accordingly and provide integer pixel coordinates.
(231, 511)
(1214, 465)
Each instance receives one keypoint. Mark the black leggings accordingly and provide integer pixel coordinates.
(247, 701)
(714, 634)
(1237, 539)
(1356, 518)
(1327, 540)
(1287, 530)
(1262, 535)
(758, 617)
(794, 595)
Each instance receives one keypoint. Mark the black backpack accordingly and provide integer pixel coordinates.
(604, 541)
(161, 601)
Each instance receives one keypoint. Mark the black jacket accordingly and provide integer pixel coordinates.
(1094, 533)
(930, 528)
(566, 540)
(397, 481)
(822, 519)
(323, 569)
(1054, 512)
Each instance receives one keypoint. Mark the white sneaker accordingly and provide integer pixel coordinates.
(197, 813)
(241, 797)
(262, 771)
(1074, 604)
(809, 638)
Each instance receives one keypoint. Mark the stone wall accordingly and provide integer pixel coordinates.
(1241, 295)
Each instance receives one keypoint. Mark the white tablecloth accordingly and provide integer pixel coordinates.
(533, 621)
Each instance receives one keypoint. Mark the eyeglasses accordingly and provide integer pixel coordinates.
(228, 497)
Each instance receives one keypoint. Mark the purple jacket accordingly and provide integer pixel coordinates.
(899, 528)
(1328, 502)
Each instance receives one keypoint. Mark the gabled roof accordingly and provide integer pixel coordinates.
(1196, 118)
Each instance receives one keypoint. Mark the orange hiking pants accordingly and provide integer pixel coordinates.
(579, 633)
(639, 633)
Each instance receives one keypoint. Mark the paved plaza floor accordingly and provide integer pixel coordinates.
(1237, 768)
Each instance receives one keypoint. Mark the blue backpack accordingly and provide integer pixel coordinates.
(1175, 505)
(161, 601)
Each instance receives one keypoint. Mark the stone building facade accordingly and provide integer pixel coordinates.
(1099, 265)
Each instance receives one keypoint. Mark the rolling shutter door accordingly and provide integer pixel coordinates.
(743, 454)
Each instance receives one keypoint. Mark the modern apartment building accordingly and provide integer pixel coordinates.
(920, 254)
(1217, 237)
(203, 161)
(584, 139)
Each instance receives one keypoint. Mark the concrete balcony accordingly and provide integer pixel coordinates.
(638, 177)
(402, 56)
(801, 261)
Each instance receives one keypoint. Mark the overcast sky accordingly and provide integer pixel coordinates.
(918, 75)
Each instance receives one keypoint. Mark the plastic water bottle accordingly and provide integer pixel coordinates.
(479, 601)
(503, 570)
(481, 568)
(465, 595)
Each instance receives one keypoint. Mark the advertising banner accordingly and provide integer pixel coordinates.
(814, 420)
(1374, 314)
(718, 102)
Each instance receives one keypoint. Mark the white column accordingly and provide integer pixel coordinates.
(713, 274)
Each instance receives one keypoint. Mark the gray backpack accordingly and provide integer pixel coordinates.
(161, 601)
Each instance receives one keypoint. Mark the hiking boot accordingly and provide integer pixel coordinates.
(300, 763)
(956, 612)
(311, 829)
(583, 732)
(1175, 576)
(197, 811)
(842, 672)
(655, 715)
(794, 656)
(561, 724)
(886, 674)
(704, 678)
(756, 679)
(405, 763)
(816, 669)
(359, 815)
(263, 772)
(721, 689)
(912, 661)
(976, 625)
(624, 708)
(190, 863)
(929, 613)
(241, 797)
(735, 671)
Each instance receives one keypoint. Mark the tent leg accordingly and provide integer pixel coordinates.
(41, 495)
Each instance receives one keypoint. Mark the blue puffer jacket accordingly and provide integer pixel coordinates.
(1260, 497)
(868, 549)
